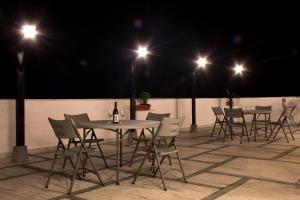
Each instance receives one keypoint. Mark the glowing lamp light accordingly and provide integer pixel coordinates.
(29, 31)
(202, 62)
(238, 69)
(142, 52)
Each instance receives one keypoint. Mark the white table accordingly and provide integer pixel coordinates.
(118, 128)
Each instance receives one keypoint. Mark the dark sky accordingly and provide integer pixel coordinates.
(85, 48)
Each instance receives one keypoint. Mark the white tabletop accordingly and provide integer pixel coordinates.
(124, 124)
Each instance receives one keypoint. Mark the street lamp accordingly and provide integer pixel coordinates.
(141, 53)
(201, 63)
(28, 32)
(238, 71)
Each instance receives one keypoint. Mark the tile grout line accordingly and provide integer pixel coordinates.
(211, 167)
(254, 178)
(210, 150)
(284, 153)
(226, 189)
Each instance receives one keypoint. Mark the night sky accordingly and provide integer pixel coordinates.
(85, 49)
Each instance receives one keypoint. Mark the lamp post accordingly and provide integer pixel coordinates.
(141, 53)
(201, 63)
(238, 71)
(28, 32)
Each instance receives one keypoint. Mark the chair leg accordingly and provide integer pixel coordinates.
(65, 159)
(252, 126)
(225, 134)
(272, 131)
(277, 132)
(134, 152)
(159, 167)
(212, 133)
(221, 127)
(170, 162)
(51, 171)
(231, 132)
(141, 165)
(242, 135)
(161, 162)
(93, 166)
(181, 168)
(100, 149)
(75, 172)
(291, 132)
(285, 135)
(266, 126)
(247, 133)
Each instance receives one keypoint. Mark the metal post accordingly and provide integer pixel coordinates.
(20, 150)
(194, 125)
(133, 94)
(132, 103)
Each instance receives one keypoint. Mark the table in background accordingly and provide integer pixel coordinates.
(255, 113)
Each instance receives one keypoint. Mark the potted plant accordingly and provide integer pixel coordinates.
(230, 95)
(143, 98)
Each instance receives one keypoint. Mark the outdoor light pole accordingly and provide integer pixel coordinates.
(133, 94)
(202, 62)
(194, 124)
(141, 53)
(20, 150)
(238, 70)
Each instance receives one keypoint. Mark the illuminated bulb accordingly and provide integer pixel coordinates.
(142, 52)
(29, 31)
(238, 69)
(202, 62)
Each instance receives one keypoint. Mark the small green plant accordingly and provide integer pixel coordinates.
(144, 96)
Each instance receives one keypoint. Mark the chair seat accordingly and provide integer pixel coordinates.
(99, 140)
(166, 151)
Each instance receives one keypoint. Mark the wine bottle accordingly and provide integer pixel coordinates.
(116, 114)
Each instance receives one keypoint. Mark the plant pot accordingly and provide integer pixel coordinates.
(143, 107)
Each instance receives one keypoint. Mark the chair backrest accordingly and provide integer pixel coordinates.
(263, 107)
(157, 116)
(292, 108)
(64, 129)
(234, 113)
(169, 127)
(285, 114)
(217, 111)
(78, 118)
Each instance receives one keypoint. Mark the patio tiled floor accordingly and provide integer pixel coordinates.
(215, 170)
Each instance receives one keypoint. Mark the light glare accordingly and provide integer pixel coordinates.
(238, 69)
(29, 31)
(142, 52)
(202, 62)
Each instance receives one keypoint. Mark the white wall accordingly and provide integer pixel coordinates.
(38, 132)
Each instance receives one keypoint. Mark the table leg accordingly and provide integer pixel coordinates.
(117, 160)
(121, 147)
(255, 127)
(266, 125)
